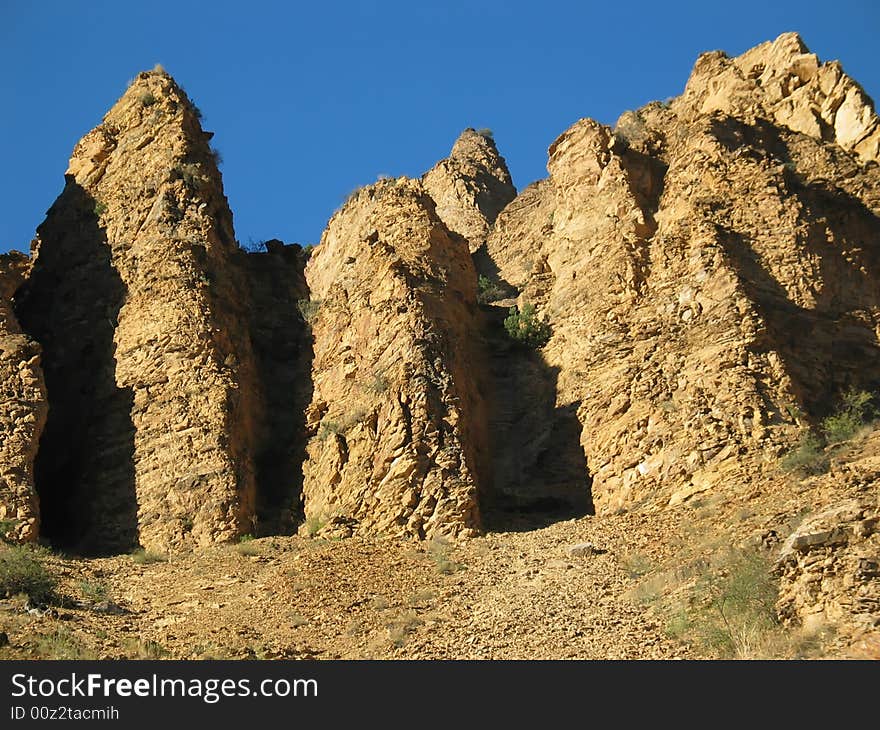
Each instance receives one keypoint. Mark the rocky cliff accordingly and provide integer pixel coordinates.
(23, 408)
(707, 268)
(398, 426)
(708, 276)
(139, 310)
(471, 186)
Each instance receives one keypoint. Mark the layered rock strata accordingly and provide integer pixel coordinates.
(398, 422)
(709, 279)
(23, 408)
(141, 316)
(471, 186)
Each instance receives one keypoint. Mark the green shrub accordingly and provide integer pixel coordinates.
(807, 457)
(526, 328)
(852, 413)
(7, 526)
(21, 572)
(62, 644)
(145, 557)
(147, 99)
(731, 612)
(100, 208)
(308, 308)
(486, 132)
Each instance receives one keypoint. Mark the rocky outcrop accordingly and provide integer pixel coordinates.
(471, 186)
(829, 568)
(23, 408)
(710, 284)
(398, 422)
(141, 316)
(783, 82)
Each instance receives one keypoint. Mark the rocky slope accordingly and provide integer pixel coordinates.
(398, 422)
(23, 407)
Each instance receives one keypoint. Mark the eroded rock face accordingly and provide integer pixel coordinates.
(829, 568)
(23, 408)
(140, 314)
(782, 81)
(471, 186)
(398, 423)
(710, 283)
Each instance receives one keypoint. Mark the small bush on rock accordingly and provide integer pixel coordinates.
(526, 328)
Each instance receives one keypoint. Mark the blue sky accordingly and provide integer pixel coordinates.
(310, 100)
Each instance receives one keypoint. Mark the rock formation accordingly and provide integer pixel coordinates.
(783, 82)
(23, 409)
(398, 422)
(709, 282)
(141, 316)
(471, 186)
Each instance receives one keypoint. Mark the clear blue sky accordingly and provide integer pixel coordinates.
(310, 100)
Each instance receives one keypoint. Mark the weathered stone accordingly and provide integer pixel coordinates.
(141, 316)
(581, 550)
(399, 430)
(782, 81)
(471, 186)
(682, 261)
(23, 408)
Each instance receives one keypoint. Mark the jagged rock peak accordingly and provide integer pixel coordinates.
(141, 311)
(471, 186)
(782, 81)
(396, 418)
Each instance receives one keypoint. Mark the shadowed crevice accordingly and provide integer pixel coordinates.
(539, 471)
(282, 346)
(84, 470)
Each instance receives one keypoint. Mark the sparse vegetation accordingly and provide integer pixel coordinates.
(853, 412)
(378, 383)
(808, 457)
(147, 99)
(526, 328)
(136, 648)
(329, 427)
(440, 552)
(246, 546)
(146, 557)
(93, 591)
(307, 251)
(6, 527)
(403, 625)
(315, 524)
(22, 572)
(486, 132)
(731, 610)
(308, 308)
(100, 208)
(489, 290)
(61, 644)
